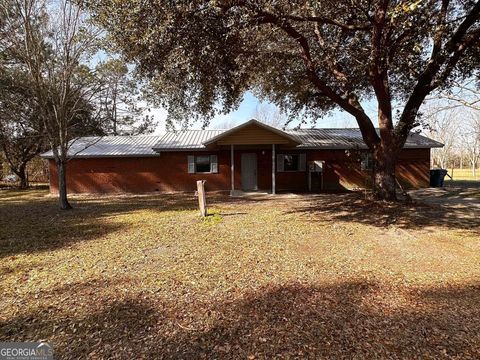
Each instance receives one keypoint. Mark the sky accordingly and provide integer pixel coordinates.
(246, 111)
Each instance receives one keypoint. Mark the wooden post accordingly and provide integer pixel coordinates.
(232, 168)
(202, 200)
(273, 169)
(309, 178)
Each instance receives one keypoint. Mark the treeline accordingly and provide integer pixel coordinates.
(454, 120)
(58, 81)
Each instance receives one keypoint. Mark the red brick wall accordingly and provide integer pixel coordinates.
(168, 172)
(342, 172)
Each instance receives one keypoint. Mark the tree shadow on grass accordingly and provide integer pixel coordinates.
(34, 223)
(344, 320)
(353, 207)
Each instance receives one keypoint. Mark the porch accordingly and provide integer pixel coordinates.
(254, 159)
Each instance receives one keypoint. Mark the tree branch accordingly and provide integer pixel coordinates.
(350, 104)
(327, 21)
(448, 57)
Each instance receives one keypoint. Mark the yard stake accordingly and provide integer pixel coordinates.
(202, 200)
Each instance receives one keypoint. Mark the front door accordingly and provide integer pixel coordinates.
(249, 171)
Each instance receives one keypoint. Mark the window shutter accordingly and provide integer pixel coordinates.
(302, 162)
(191, 164)
(366, 162)
(214, 163)
(280, 162)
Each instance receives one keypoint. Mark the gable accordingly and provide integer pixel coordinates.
(252, 132)
(252, 135)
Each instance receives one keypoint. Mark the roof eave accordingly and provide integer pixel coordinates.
(50, 157)
(159, 150)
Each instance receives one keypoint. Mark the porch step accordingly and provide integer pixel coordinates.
(240, 193)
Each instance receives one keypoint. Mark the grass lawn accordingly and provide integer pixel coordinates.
(462, 178)
(464, 174)
(327, 276)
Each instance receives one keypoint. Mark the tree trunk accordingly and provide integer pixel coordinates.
(62, 186)
(20, 171)
(22, 176)
(384, 182)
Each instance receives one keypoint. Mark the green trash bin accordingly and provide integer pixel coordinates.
(437, 177)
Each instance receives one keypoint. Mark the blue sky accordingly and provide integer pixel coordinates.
(246, 110)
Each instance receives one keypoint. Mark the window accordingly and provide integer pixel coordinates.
(202, 164)
(291, 162)
(366, 162)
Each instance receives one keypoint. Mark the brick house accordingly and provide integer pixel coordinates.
(252, 156)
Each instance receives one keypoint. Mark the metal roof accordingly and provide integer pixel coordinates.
(111, 146)
(144, 145)
(307, 138)
(350, 139)
(186, 140)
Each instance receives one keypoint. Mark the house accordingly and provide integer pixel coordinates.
(252, 156)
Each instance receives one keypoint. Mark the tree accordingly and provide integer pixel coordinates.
(270, 115)
(307, 57)
(120, 101)
(265, 113)
(471, 141)
(54, 41)
(443, 127)
(466, 94)
(451, 118)
(22, 135)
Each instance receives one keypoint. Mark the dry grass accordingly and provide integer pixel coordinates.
(331, 276)
(462, 178)
(464, 174)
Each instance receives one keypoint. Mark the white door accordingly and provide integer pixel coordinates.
(249, 171)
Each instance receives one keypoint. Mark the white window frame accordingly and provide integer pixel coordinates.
(301, 163)
(192, 164)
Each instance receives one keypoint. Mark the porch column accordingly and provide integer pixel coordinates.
(273, 169)
(232, 168)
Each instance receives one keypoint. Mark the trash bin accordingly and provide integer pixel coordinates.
(437, 176)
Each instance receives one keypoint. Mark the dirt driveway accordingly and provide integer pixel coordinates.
(449, 196)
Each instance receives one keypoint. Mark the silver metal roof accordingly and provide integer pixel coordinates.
(144, 145)
(111, 146)
(308, 139)
(186, 140)
(350, 139)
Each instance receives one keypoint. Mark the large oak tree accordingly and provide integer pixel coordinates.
(308, 57)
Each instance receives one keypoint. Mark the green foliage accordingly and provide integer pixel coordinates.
(200, 54)
(213, 217)
(120, 100)
(308, 57)
(52, 43)
(22, 134)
